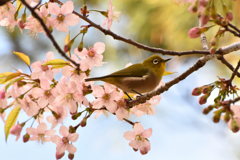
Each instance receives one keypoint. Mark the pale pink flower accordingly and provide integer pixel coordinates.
(43, 71)
(2, 115)
(146, 108)
(70, 94)
(8, 23)
(30, 107)
(64, 14)
(111, 16)
(16, 130)
(99, 112)
(106, 97)
(61, 114)
(63, 143)
(44, 94)
(41, 134)
(122, 112)
(7, 10)
(70, 71)
(3, 98)
(138, 138)
(92, 57)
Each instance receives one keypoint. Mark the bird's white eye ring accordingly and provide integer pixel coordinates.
(155, 61)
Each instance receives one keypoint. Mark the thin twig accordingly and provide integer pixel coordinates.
(235, 100)
(202, 36)
(234, 72)
(48, 33)
(224, 61)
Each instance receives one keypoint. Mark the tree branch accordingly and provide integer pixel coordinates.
(224, 61)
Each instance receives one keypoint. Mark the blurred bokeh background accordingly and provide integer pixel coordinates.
(180, 130)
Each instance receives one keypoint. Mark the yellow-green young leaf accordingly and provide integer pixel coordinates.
(18, 5)
(67, 39)
(11, 119)
(13, 75)
(168, 73)
(56, 62)
(11, 82)
(2, 80)
(58, 66)
(3, 75)
(23, 57)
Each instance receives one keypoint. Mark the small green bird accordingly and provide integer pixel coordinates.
(137, 78)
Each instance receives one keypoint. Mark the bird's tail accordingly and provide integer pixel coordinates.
(93, 79)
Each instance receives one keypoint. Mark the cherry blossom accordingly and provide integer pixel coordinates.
(16, 130)
(63, 143)
(43, 71)
(106, 97)
(138, 138)
(92, 57)
(40, 133)
(7, 10)
(111, 16)
(60, 114)
(122, 112)
(63, 14)
(30, 107)
(236, 116)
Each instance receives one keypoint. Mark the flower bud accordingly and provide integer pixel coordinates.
(217, 115)
(72, 129)
(208, 109)
(16, 130)
(226, 117)
(207, 89)
(214, 12)
(229, 16)
(203, 99)
(197, 91)
(68, 46)
(83, 123)
(70, 156)
(213, 49)
(135, 149)
(235, 127)
(26, 138)
(80, 46)
(197, 31)
(75, 116)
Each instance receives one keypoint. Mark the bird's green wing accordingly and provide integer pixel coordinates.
(135, 70)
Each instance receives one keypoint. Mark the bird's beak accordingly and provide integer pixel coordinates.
(165, 60)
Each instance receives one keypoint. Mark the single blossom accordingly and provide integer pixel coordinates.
(16, 130)
(111, 16)
(122, 112)
(92, 57)
(106, 97)
(63, 143)
(43, 71)
(41, 134)
(60, 114)
(29, 106)
(64, 15)
(138, 138)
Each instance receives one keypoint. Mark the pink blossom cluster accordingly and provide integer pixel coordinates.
(38, 93)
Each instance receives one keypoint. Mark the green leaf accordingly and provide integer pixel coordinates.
(56, 62)
(67, 39)
(13, 81)
(168, 73)
(23, 57)
(2, 75)
(58, 66)
(11, 119)
(2, 80)
(13, 75)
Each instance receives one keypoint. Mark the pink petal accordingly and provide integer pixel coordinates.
(73, 137)
(147, 133)
(108, 88)
(134, 144)
(49, 74)
(37, 92)
(61, 88)
(45, 84)
(60, 148)
(41, 128)
(109, 24)
(138, 128)
(145, 147)
(82, 54)
(71, 149)
(42, 102)
(64, 131)
(62, 27)
(98, 91)
(104, 22)
(71, 19)
(129, 135)
(44, 11)
(99, 47)
(67, 71)
(56, 139)
(50, 56)
(97, 103)
(111, 106)
(53, 8)
(49, 132)
(67, 7)
(32, 131)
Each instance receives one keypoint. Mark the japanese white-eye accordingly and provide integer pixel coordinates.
(137, 78)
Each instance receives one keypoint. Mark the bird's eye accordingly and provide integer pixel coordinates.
(155, 61)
